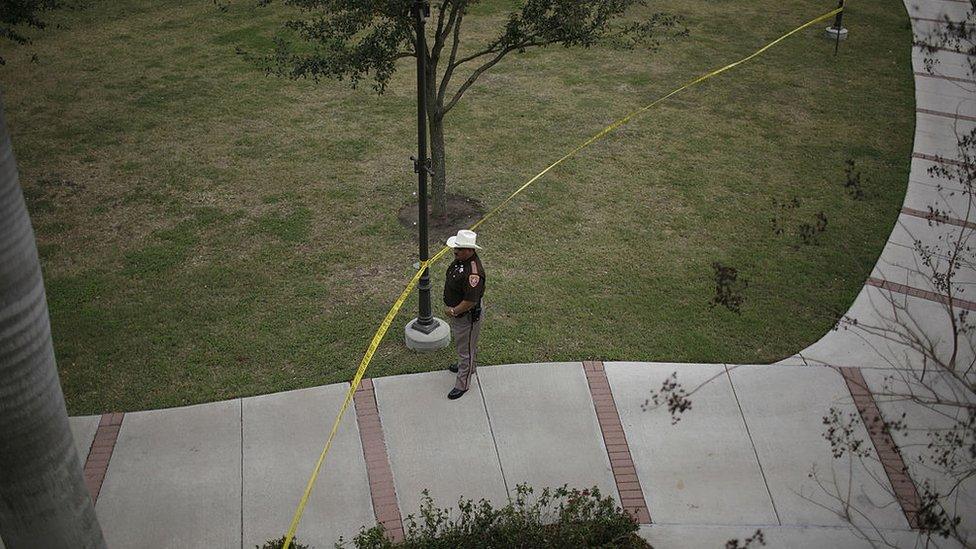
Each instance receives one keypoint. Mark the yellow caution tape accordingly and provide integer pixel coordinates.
(388, 319)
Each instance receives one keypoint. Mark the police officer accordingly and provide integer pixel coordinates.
(464, 287)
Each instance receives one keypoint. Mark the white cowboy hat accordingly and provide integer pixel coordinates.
(464, 239)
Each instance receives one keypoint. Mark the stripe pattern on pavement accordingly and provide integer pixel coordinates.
(933, 216)
(624, 472)
(951, 115)
(96, 465)
(901, 482)
(378, 470)
(918, 292)
(943, 77)
(940, 159)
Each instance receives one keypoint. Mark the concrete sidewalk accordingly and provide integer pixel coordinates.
(749, 455)
(232, 472)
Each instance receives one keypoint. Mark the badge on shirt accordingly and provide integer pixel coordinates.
(473, 280)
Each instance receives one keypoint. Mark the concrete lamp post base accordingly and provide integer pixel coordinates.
(438, 338)
(832, 33)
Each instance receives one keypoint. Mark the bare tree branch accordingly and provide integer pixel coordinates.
(480, 70)
(443, 29)
(449, 71)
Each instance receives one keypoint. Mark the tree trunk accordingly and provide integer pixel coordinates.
(435, 129)
(439, 181)
(43, 498)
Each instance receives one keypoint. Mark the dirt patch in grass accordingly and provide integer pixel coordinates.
(462, 212)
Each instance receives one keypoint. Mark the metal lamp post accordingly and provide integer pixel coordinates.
(424, 332)
(837, 32)
(421, 165)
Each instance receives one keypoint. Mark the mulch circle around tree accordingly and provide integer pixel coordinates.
(462, 212)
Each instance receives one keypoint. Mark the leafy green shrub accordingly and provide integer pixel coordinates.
(556, 518)
(280, 542)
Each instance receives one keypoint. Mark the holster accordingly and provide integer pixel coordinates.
(476, 312)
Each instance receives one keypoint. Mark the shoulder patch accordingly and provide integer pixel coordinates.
(473, 280)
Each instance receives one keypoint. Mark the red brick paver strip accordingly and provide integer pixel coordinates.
(888, 453)
(943, 77)
(96, 465)
(920, 293)
(381, 487)
(932, 216)
(940, 159)
(947, 114)
(942, 21)
(927, 48)
(624, 472)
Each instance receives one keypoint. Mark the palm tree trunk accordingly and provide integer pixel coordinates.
(43, 498)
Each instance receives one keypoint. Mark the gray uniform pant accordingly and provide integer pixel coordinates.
(465, 334)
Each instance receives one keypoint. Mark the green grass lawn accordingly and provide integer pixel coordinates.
(207, 232)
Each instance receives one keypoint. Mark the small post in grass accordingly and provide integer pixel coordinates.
(425, 332)
(837, 32)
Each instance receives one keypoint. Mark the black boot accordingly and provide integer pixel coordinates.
(453, 368)
(455, 393)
